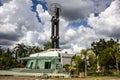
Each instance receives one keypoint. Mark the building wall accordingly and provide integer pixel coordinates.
(31, 64)
(40, 63)
(66, 60)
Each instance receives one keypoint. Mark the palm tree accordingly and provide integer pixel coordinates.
(47, 45)
(33, 49)
(1, 51)
(77, 63)
(30, 50)
(37, 49)
(85, 53)
(20, 50)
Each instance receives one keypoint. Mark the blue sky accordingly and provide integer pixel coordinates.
(81, 22)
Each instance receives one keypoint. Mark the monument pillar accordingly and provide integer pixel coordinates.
(55, 29)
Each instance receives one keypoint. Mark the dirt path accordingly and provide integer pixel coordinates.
(37, 78)
(18, 78)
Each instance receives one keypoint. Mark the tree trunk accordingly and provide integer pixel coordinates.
(16, 56)
(105, 70)
(98, 65)
(117, 66)
(85, 66)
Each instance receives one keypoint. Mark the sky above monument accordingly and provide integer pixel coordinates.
(81, 22)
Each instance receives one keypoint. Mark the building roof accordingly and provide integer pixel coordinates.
(48, 53)
(51, 53)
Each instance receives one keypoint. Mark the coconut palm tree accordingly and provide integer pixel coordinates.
(85, 53)
(20, 50)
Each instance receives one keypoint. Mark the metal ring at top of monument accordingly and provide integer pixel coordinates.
(52, 8)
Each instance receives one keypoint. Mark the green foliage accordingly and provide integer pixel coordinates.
(98, 46)
(116, 51)
(7, 60)
(91, 58)
(33, 49)
(20, 50)
(107, 52)
(47, 45)
(78, 63)
(66, 66)
(104, 57)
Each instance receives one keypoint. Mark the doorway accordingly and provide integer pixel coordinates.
(47, 65)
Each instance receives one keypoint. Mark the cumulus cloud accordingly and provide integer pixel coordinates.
(79, 9)
(18, 24)
(4, 1)
(85, 36)
(107, 23)
(100, 5)
(16, 18)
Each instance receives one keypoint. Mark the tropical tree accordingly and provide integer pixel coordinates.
(1, 51)
(7, 60)
(91, 60)
(33, 49)
(66, 66)
(96, 47)
(105, 57)
(78, 63)
(36, 49)
(104, 51)
(20, 50)
(116, 54)
(47, 45)
(84, 53)
(30, 50)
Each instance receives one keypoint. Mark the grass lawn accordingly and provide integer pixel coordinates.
(93, 78)
(33, 78)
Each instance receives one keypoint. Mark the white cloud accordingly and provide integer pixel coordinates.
(85, 36)
(77, 48)
(69, 35)
(21, 25)
(79, 9)
(5, 1)
(31, 38)
(4, 28)
(76, 9)
(108, 22)
(77, 39)
(100, 5)
(16, 19)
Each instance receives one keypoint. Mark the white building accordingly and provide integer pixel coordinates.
(48, 61)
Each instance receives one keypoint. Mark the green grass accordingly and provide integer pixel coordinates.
(92, 78)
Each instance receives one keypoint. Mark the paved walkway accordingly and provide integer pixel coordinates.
(12, 73)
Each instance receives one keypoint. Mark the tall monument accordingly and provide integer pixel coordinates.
(55, 28)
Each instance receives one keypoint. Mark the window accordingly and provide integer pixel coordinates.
(59, 57)
(31, 65)
(47, 65)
